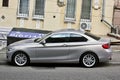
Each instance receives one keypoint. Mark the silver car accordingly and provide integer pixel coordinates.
(63, 46)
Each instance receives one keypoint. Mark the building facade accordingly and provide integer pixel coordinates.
(116, 16)
(95, 16)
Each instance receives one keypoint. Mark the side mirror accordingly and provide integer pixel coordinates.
(43, 42)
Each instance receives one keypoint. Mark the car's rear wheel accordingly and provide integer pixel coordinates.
(20, 59)
(89, 60)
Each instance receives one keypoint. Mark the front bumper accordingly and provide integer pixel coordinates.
(9, 55)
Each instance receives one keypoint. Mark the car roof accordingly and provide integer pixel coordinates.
(69, 30)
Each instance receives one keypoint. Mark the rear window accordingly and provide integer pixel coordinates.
(77, 38)
(92, 36)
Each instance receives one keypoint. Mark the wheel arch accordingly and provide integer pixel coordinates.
(22, 52)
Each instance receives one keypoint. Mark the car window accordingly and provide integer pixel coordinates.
(58, 38)
(77, 38)
(39, 39)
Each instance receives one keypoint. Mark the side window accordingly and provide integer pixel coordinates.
(77, 38)
(58, 38)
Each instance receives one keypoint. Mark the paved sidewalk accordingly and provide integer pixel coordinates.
(3, 51)
(111, 38)
(3, 56)
(116, 48)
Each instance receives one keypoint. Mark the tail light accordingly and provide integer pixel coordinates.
(106, 46)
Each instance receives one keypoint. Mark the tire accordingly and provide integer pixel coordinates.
(89, 60)
(20, 59)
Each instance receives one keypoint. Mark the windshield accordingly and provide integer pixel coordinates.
(92, 36)
(39, 39)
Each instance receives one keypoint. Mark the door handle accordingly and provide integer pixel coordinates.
(64, 45)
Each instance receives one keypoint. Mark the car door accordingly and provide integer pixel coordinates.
(54, 49)
(77, 44)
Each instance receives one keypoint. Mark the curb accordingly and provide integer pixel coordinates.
(116, 51)
(2, 52)
(3, 62)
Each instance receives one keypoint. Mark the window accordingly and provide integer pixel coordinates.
(39, 9)
(86, 9)
(58, 38)
(23, 8)
(70, 10)
(5, 3)
(77, 38)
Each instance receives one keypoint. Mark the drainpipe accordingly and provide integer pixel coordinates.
(103, 16)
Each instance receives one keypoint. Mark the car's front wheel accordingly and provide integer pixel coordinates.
(20, 59)
(89, 60)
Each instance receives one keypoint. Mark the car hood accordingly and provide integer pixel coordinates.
(22, 42)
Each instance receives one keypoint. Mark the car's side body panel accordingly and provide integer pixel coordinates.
(61, 52)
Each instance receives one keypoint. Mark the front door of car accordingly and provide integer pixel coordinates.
(54, 48)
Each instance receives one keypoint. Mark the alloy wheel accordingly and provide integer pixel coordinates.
(89, 60)
(20, 59)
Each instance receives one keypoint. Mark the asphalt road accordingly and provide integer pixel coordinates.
(104, 71)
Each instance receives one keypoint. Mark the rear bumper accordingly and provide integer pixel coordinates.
(105, 59)
(107, 56)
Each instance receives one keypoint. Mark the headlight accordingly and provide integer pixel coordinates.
(10, 49)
